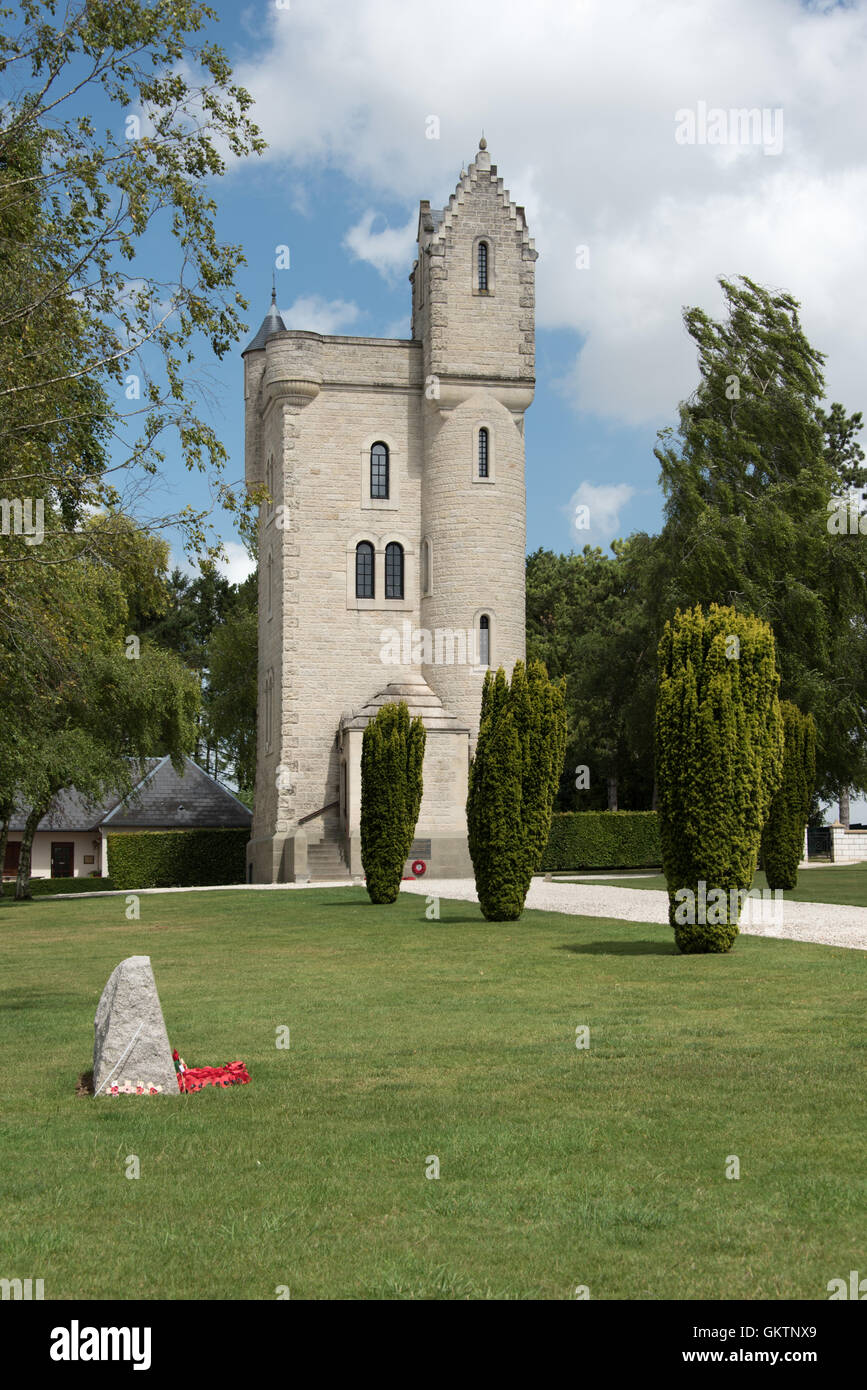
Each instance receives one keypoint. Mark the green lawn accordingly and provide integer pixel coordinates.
(844, 883)
(412, 1038)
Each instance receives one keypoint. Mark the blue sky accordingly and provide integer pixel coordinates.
(616, 125)
(581, 106)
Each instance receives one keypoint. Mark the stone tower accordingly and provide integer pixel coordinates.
(391, 551)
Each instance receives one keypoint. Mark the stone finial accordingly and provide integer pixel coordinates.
(483, 144)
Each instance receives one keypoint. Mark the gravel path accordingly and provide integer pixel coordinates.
(829, 924)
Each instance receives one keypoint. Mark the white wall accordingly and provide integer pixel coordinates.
(40, 866)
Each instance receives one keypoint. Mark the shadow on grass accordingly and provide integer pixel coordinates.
(623, 948)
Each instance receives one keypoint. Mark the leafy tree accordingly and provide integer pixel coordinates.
(783, 835)
(232, 685)
(212, 625)
(83, 323)
(747, 478)
(719, 752)
(512, 783)
(392, 754)
(590, 619)
(79, 703)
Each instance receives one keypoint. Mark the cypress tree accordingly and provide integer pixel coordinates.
(512, 783)
(392, 754)
(783, 835)
(719, 750)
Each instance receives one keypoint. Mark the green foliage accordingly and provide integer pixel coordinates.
(212, 626)
(590, 618)
(176, 858)
(392, 754)
(78, 706)
(747, 478)
(603, 839)
(719, 754)
(512, 783)
(783, 835)
(80, 309)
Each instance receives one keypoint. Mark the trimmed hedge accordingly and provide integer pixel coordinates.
(603, 840)
(177, 858)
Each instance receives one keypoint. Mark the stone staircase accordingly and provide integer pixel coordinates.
(326, 860)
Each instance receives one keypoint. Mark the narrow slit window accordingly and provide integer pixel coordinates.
(483, 265)
(483, 453)
(364, 570)
(379, 470)
(394, 570)
(484, 640)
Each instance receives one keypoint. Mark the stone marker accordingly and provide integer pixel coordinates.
(129, 1020)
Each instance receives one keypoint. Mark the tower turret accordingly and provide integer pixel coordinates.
(473, 309)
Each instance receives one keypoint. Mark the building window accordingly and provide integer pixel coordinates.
(270, 584)
(394, 570)
(379, 470)
(425, 566)
(483, 453)
(484, 640)
(268, 712)
(269, 482)
(364, 570)
(483, 265)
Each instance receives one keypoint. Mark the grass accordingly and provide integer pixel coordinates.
(412, 1038)
(845, 884)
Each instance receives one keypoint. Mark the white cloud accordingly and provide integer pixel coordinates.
(594, 512)
(320, 315)
(589, 150)
(237, 565)
(390, 250)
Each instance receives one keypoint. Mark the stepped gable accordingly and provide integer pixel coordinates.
(420, 700)
(437, 225)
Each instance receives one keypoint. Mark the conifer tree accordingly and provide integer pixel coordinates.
(513, 780)
(719, 752)
(392, 754)
(783, 835)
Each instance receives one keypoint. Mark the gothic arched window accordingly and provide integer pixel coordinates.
(379, 470)
(484, 640)
(483, 265)
(483, 453)
(394, 570)
(364, 570)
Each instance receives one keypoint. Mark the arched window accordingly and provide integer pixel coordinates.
(484, 640)
(394, 570)
(483, 265)
(379, 470)
(364, 570)
(483, 453)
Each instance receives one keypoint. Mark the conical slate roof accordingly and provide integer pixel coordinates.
(420, 700)
(271, 323)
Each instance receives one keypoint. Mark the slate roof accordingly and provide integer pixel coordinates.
(70, 810)
(271, 323)
(162, 800)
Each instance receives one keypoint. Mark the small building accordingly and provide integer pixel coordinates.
(70, 840)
